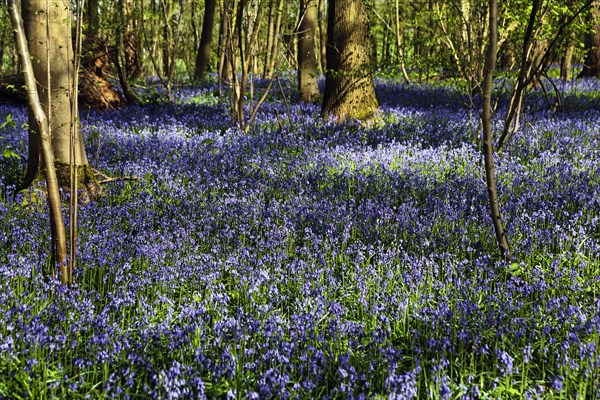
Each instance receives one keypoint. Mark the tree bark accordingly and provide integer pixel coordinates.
(53, 69)
(322, 35)
(273, 50)
(307, 60)
(224, 41)
(566, 61)
(93, 19)
(349, 89)
(203, 55)
(486, 119)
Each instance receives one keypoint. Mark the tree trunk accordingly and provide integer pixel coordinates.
(53, 69)
(223, 70)
(399, 42)
(566, 61)
(273, 51)
(591, 64)
(167, 35)
(322, 36)
(131, 44)
(203, 55)
(349, 90)
(511, 120)
(270, 37)
(49, 19)
(488, 146)
(93, 19)
(307, 60)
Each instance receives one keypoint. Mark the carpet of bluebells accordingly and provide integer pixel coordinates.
(304, 259)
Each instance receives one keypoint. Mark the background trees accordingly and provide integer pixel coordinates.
(412, 41)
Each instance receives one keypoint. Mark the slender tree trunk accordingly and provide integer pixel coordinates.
(322, 35)
(203, 55)
(307, 60)
(399, 42)
(375, 39)
(566, 61)
(488, 146)
(224, 41)
(349, 89)
(270, 38)
(511, 121)
(274, 51)
(167, 34)
(40, 119)
(125, 70)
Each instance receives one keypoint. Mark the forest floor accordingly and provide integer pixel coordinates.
(304, 259)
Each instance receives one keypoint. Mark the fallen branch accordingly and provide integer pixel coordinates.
(107, 179)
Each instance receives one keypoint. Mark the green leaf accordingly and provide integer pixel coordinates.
(516, 269)
(9, 122)
(8, 153)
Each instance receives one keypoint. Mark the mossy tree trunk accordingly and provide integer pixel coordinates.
(349, 90)
(307, 59)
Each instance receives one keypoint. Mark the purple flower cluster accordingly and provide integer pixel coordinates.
(309, 260)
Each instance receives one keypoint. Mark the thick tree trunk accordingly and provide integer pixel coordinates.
(54, 70)
(591, 64)
(349, 90)
(203, 55)
(486, 120)
(307, 60)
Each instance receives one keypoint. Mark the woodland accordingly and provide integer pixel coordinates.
(311, 199)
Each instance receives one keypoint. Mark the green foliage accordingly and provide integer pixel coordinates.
(7, 152)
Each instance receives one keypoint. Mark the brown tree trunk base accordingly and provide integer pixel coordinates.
(88, 186)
